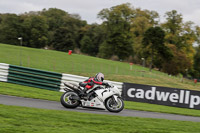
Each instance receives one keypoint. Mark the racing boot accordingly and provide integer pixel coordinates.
(91, 95)
(84, 94)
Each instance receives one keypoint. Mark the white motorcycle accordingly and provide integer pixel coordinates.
(108, 97)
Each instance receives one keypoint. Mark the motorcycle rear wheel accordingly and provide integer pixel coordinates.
(67, 102)
(114, 107)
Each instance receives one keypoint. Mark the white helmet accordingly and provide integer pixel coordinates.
(99, 77)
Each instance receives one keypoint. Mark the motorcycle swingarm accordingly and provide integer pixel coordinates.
(75, 98)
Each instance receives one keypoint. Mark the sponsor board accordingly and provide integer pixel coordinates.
(161, 95)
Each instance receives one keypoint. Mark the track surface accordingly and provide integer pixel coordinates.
(45, 104)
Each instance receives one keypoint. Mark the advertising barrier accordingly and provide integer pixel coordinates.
(161, 95)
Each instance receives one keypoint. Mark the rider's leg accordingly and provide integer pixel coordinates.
(84, 93)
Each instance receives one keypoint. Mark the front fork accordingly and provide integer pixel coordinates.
(115, 101)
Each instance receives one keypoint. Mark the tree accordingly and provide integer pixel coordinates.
(63, 39)
(142, 20)
(94, 34)
(87, 46)
(174, 21)
(197, 34)
(56, 19)
(178, 33)
(154, 41)
(197, 63)
(182, 36)
(179, 64)
(34, 30)
(119, 38)
(173, 27)
(39, 28)
(187, 40)
(10, 28)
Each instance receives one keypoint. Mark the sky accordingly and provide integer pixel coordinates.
(88, 9)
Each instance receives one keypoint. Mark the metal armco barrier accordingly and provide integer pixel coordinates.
(30, 77)
(39, 78)
(4, 72)
(162, 95)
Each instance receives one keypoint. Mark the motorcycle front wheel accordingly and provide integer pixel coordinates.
(67, 101)
(114, 106)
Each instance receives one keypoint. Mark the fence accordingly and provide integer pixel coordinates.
(39, 78)
(3, 72)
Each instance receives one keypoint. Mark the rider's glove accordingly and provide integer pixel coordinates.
(106, 84)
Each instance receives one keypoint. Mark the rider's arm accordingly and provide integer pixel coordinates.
(84, 83)
(106, 84)
(96, 82)
(100, 83)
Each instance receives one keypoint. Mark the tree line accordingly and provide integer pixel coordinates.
(126, 33)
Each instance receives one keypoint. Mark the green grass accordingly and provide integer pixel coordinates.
(161, 108)
(21, 119)
(24, 91)
(29, 92)
(87, 66)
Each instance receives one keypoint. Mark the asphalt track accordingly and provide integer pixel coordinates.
(53, 105)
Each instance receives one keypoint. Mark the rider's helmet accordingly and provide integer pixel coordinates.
(99, 77)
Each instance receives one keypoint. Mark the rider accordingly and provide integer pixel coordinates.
(89, 83)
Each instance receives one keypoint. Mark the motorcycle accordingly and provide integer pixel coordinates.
(107, 97)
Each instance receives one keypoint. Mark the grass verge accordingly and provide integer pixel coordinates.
(15, 119)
